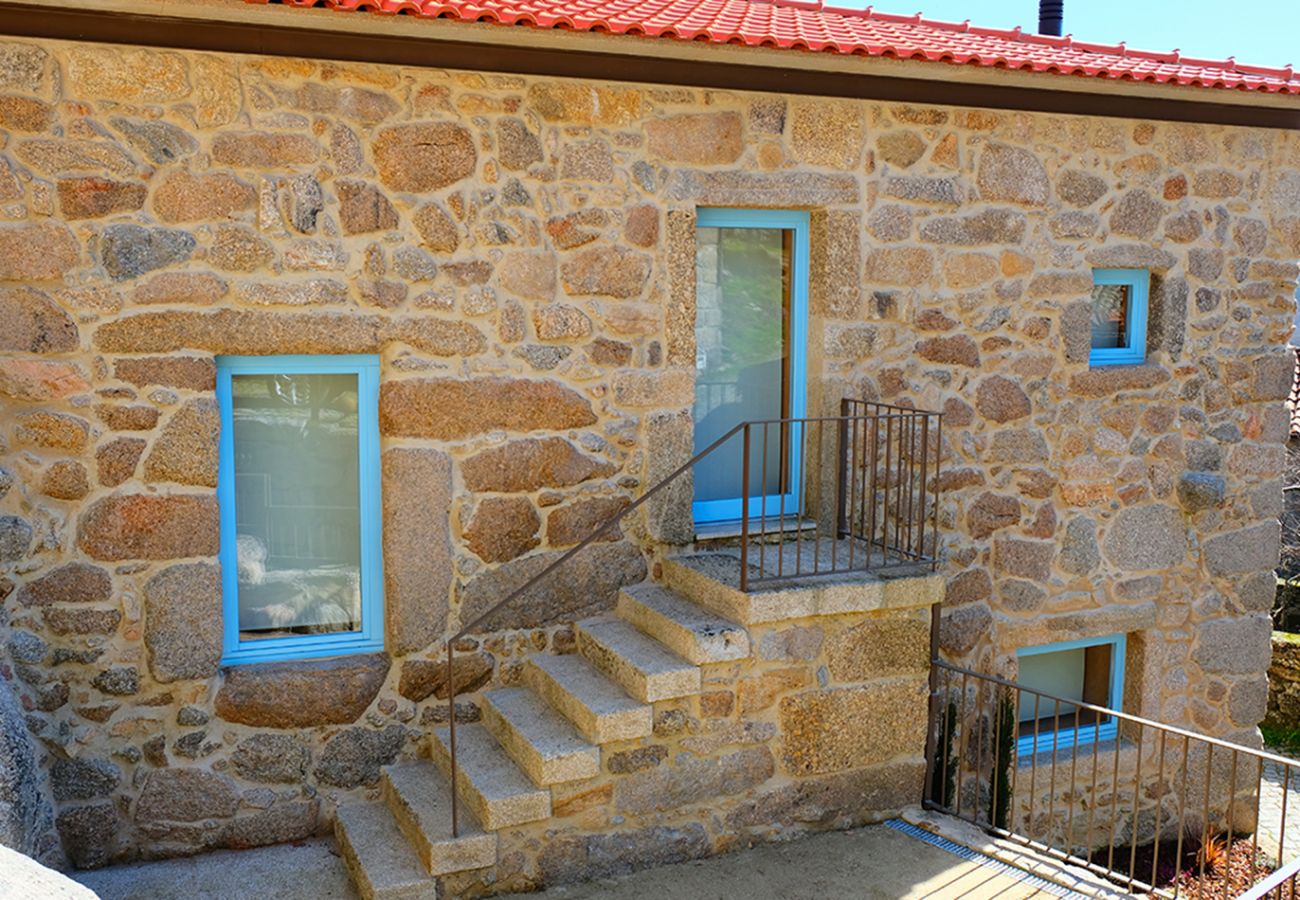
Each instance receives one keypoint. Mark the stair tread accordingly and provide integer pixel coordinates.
(644, 653)
(550, 733)
(587, 684)
(508, 797)
(645, 668)
(379, 856)
(420, 800)
(712, 580)
(698, 633)
(425, 789)
(679, 609)
(598, 707)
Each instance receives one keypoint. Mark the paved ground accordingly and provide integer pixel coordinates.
(1270, 811)
(306, 871)
(876, 863)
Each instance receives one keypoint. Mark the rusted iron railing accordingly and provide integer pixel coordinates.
(1151, 807)
(883, 460)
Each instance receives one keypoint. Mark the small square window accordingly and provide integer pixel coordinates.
(298, 487)
(1089, 671)
(1119, 316)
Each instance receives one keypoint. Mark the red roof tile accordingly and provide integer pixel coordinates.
(804, 25)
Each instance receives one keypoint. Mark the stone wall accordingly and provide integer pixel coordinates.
(1284, 682)
(823, 727)
(26, 812)
(520, 252)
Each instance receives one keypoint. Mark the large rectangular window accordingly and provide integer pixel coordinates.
(1088, 671)
(298, 486)
(1119, 316)
(751, 331)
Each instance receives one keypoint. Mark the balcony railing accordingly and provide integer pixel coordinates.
(857, 492)
(1155, 809)
(883, 499)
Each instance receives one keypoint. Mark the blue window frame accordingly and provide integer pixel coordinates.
(716, 509)
(299, 491)
(1090, 670)
(1119, 316)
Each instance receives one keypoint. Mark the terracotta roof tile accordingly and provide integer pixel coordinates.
(812, 26)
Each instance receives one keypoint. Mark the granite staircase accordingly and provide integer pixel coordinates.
(551, 730)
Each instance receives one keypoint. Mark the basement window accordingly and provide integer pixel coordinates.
(298, 487)
(1085, 671)
(1119, 316)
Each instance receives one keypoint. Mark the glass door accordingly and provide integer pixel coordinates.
(751, 332)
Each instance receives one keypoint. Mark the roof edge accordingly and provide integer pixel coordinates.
(278, 30)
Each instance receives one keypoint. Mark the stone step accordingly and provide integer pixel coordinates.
(382, 864)
(600, 709)
(645, 668)
(689, 630)
(712, 580)
(538, 738)
(420, 801)
(487, 780)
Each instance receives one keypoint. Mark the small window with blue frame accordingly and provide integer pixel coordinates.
(298, 488)
(1064, 682)
(1119, 316)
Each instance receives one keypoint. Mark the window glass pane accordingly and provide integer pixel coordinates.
(1060, 674)
(1079, 674)
(297, 503)
(1110, 314)
(742, 361)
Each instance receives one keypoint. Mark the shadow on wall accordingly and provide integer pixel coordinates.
(1286, 609)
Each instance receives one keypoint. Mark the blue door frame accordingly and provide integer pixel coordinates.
(796, 222)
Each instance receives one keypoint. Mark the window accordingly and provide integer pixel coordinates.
(751, 335)
(1091, 671)
(298, 486)
(1119, 316)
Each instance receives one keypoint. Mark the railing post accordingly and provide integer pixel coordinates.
(744, 511)
(841, 509)
(938, 462)
(451, 725)
(920, 493)
(931, 736)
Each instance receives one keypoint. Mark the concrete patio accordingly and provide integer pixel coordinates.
(874, 863)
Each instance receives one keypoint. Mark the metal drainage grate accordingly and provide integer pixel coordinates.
(970, 855)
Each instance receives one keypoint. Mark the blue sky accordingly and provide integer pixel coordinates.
(1266, 32)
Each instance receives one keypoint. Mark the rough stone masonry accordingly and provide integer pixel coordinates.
(520, 252)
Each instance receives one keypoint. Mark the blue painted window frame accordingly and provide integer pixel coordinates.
(1135, 351)
(371, 636)
(708, 512)
(1066, 738)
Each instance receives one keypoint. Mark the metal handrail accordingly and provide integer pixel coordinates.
(857, 481)
(896, 412)
(519, 592)
(1127, 717)
(981, 767)
(1288, 873)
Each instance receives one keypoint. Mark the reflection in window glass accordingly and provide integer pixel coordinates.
(297, 503)
(1082, 673)
(742, 365)
(1110, 316)
(1088, 671)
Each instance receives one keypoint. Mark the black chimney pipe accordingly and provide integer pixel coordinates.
(1051, 16)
